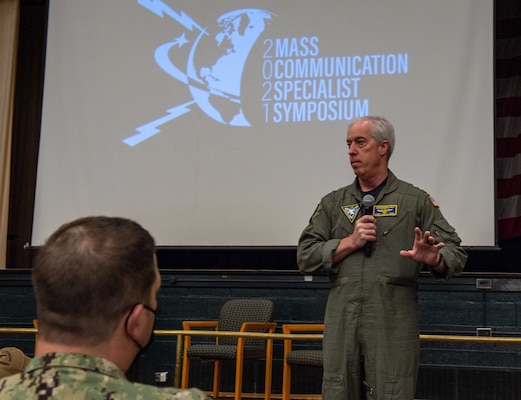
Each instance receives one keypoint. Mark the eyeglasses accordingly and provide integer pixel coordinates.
(149, 309)
(144, 306)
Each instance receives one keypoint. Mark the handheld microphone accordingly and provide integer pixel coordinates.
(368, 203)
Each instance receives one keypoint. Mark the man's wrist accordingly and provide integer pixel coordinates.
(439, 261)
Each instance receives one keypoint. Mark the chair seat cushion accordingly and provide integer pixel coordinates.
(211, 352)
(313, 358)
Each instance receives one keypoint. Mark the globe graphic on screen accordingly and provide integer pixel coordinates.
(216, 62)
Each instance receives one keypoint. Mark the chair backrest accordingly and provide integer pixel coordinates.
(235, 312)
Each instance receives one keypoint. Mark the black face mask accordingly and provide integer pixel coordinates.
(152, 336)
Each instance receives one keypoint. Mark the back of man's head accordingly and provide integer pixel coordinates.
(89, 273)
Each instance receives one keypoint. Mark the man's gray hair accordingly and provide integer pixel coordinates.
(382, 130)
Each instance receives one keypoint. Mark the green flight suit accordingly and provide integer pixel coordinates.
(371, 312)
(68, 376)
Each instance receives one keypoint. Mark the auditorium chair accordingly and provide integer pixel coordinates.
(310, 357)
(237, 315)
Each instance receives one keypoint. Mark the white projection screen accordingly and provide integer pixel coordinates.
(223, 123)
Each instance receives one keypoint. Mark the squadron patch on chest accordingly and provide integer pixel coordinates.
(382, 210)
(351, 211)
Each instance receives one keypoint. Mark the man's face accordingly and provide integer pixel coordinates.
(155, 286)
(366, 156)
(150, 309)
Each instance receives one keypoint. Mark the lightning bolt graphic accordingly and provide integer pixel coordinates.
(159, 8)
(150, 129)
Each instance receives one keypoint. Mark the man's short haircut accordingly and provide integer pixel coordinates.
(382, 130)
(88, 274)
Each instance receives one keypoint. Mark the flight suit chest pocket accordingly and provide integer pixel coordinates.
(342, 227)
(396, 233)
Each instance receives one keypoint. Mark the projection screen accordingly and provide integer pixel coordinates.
(223, 123)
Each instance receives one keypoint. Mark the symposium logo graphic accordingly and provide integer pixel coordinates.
(214, 85)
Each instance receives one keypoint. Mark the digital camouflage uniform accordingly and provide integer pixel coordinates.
(66, 376)
(372, 304)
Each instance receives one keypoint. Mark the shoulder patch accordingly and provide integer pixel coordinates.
(316, 212)
(434, 202)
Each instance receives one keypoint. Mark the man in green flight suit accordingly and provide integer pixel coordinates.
(95, 282)
(371, 337)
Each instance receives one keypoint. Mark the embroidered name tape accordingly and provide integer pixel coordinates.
(385, 210)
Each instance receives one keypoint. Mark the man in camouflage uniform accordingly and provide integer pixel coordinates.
(371, 336)
(95, 282)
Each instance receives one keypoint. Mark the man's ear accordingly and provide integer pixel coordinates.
(384, 148)
(133, 323)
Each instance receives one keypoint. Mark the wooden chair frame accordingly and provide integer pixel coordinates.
(239, 362)
(288, 347)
